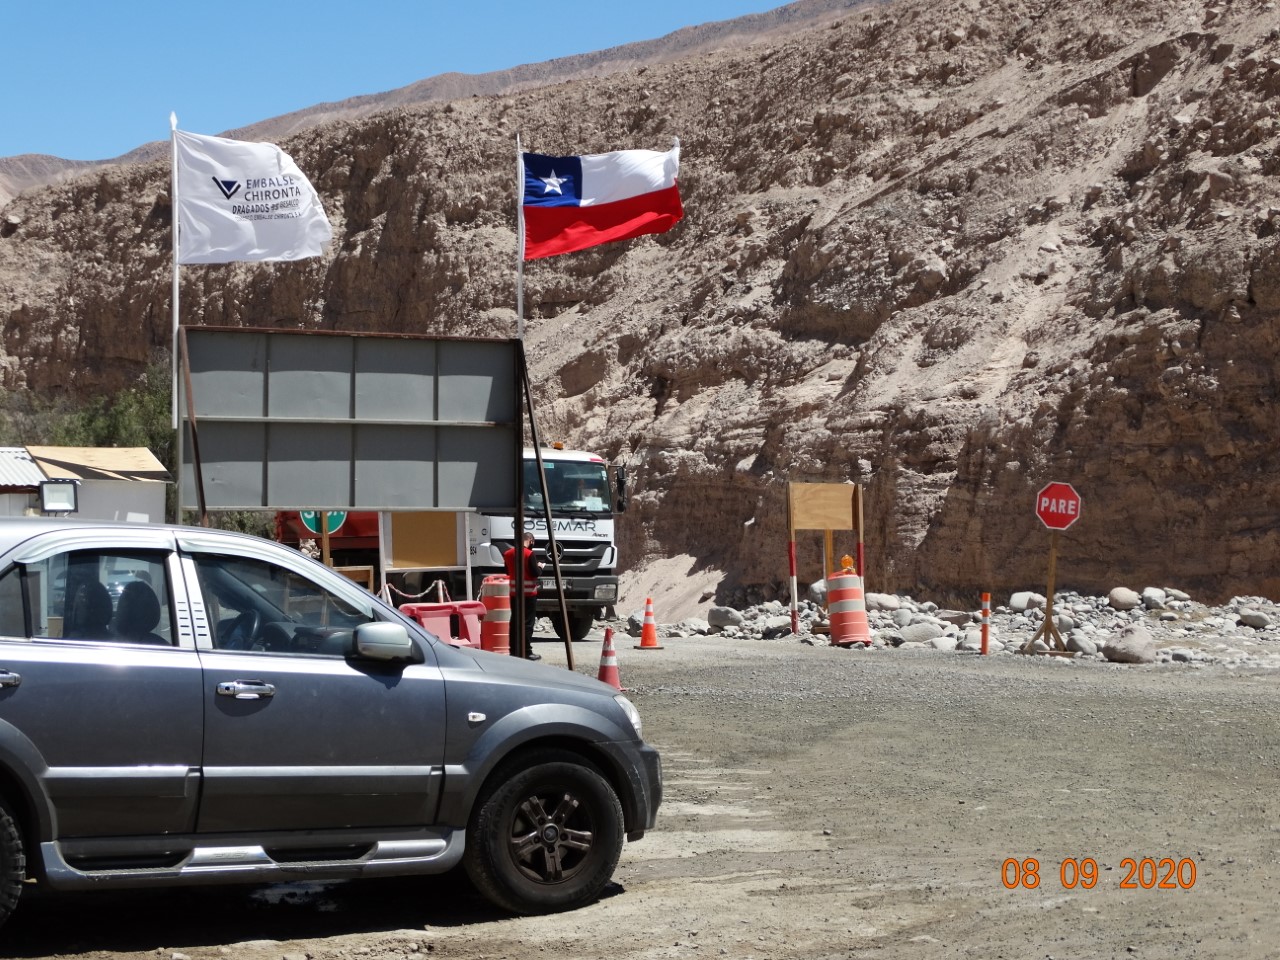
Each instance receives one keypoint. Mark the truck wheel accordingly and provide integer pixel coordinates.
(13, 862)
(580, 624)
(546, 837)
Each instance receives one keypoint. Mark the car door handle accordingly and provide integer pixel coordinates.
(246, 689)
(9, 679)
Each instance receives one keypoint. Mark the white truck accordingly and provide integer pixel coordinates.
(584, 499)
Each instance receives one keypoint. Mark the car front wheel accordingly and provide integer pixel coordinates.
(13, 863)
(546, 835)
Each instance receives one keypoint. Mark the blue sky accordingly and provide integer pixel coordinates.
(92, 79)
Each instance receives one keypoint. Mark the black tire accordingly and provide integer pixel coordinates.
(580, 624)
(545, 835)
(13, 862)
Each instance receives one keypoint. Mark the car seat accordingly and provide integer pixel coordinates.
(89, 616)
(137, 614)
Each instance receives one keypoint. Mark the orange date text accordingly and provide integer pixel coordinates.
(1083, 873)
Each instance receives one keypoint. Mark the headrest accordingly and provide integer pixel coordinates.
(138, 611)
(90, 606)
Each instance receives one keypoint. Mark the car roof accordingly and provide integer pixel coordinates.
(16, 530)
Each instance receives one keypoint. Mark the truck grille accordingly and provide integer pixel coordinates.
(576, 556)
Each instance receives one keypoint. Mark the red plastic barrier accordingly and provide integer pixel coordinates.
(457, 622)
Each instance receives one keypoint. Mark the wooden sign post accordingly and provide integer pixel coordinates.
(826, 507)
(1058, 507)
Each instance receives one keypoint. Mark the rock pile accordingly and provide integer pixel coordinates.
(1156, 625)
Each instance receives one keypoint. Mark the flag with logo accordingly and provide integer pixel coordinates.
(572, 203)
(243, 201)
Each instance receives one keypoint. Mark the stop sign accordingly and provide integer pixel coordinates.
(1058, 506)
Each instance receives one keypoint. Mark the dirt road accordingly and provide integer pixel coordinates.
(828, 803)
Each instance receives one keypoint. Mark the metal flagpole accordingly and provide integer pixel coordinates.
(173, 347)
(519, 240)
(173, 173)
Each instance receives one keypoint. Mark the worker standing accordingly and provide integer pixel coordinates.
(531, 570)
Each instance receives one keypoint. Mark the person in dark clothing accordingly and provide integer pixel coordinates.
(531, 570)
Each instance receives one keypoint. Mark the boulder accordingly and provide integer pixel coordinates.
(958, 617)
(1122, 598)
(1254, 618)
(776, 626)
(1025, 600)
(1079, 642)
(920, 632)
(1133, 644)
(882, 601)
(1153, 598)
(724, 617)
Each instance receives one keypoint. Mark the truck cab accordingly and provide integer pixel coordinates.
(584, 497)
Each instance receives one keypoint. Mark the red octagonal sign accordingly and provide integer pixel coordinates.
(1058, 506)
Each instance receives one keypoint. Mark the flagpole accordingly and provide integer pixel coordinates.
(173, 333)
(519, 241)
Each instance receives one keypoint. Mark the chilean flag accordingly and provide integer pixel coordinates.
(571, 203)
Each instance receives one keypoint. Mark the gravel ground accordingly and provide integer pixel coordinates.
(825, 802)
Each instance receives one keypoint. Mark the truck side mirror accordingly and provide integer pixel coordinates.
(621, 477)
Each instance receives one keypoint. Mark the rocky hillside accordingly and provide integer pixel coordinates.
(950, 249)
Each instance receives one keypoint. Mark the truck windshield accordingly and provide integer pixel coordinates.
(575, 487)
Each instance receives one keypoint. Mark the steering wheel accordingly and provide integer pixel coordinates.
(244, 631)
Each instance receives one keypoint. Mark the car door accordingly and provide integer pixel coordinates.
(115, 720)
(298, 736)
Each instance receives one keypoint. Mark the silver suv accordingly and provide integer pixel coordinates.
(182, 705)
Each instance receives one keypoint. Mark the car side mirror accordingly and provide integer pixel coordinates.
(621, 477)
(387, 642)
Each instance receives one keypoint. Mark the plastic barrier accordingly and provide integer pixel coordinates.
(457, 622)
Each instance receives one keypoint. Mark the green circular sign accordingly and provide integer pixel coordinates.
(311, 520)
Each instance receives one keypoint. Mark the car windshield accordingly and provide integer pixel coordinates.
(575, 487)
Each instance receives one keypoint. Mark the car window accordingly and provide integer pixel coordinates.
(261, 607)
(101, 595)
(13, 622)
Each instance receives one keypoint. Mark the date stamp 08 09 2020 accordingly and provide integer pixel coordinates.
(1146, 873)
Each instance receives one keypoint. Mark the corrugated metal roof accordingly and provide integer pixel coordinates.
(100, 463)
(19, 469)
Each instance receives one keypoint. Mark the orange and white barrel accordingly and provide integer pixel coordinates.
(495, 628)
(848, 610)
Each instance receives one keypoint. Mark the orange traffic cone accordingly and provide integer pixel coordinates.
(609, 662)
(649, 631)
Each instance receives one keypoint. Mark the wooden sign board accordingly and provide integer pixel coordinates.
(423, 540)
(822, 506)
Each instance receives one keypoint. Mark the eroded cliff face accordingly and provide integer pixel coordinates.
(948, 250)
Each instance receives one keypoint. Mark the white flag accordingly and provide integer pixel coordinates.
(244, 201)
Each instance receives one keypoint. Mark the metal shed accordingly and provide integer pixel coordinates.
(116, 483)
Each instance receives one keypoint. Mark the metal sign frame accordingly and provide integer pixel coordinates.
(321, 420)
